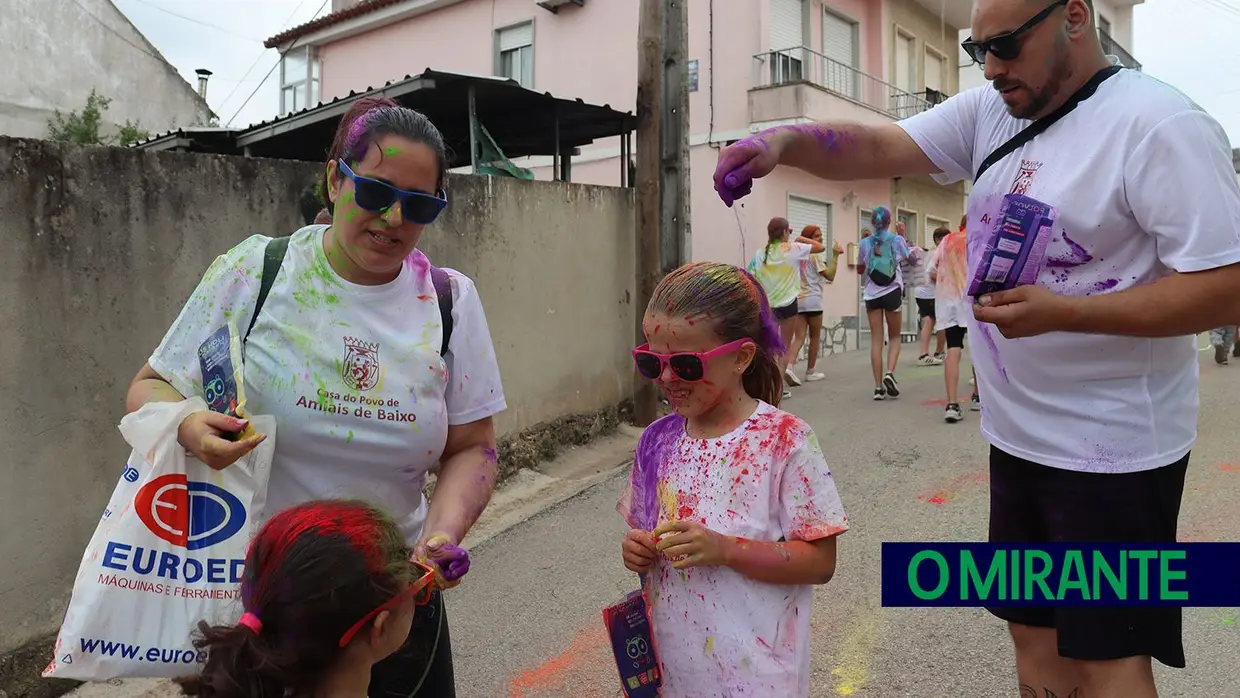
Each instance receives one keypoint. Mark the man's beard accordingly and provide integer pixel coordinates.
(1061, 70)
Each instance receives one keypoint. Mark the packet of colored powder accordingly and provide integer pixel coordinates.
(222, 379)
(632, 643)
(1016, 248)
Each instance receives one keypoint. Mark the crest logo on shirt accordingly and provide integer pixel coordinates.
(1024, 179)
(360, 369)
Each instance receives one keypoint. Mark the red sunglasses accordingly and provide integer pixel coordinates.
(420, 590)
(687, 366)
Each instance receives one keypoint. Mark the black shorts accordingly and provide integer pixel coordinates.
(785, 312)
(925, 307)
(1031, 503)
(890, 302)
(811, 313)
(426, 657)
(955, 336)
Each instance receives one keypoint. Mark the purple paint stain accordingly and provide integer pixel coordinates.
(490, 455)
(1105, 285)
(652, 450)
(994, 351)
(1076, 256)
(733, 179)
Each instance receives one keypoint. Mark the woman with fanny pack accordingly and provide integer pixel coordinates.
(377, 366)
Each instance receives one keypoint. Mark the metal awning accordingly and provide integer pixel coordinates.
(522, 122)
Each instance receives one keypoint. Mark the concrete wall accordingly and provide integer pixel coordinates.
(54, 53)
(104, 244)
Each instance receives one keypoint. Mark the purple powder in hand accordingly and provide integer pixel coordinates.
(452, 560)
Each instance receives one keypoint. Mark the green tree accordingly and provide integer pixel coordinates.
(86, 128)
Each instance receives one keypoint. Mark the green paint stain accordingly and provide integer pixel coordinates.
(350, 437)
(391, 150)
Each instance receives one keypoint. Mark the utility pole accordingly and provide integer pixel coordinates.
(674, 137)
(648, 151)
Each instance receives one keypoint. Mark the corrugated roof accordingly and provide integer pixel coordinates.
(364, 7)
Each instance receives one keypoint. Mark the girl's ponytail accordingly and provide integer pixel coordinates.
(239, 664)
(763, 380)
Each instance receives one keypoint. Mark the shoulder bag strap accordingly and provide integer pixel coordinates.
(1036, 128)
(273, 259)
(443, 291)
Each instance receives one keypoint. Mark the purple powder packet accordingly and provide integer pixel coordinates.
(1015, 250)
(632, 643)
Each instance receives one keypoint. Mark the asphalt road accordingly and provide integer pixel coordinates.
(527, 623)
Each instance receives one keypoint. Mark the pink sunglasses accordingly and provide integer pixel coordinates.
(687, 366)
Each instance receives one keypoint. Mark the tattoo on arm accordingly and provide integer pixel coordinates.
(1027, 691)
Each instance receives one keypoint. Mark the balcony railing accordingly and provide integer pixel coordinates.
(801, 64)
(1111, 47)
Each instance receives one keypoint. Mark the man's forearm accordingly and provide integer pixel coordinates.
(832, 151)
(1176, 305)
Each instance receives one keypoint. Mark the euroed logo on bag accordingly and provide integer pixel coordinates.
(189, 515)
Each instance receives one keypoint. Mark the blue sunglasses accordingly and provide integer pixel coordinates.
(377, 197)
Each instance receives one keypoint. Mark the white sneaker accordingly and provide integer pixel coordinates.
(792, 377)
(787, 394)
(952, 414)
(815, 376)
(928, 360)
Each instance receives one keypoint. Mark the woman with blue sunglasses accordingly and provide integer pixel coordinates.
(350, 352)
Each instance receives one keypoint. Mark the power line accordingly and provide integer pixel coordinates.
(269, 72)
(262, 53)
(197, 21)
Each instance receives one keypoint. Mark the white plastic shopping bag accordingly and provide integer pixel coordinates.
(168, 553)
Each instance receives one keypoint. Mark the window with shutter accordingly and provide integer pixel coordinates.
(803, 212)
(934, 71)
(839, 45)
(515, 53)
(787, 40)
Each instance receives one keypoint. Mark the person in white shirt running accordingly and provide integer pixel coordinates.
(1089, 374)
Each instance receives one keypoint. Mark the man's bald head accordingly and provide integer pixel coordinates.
(1046, 48)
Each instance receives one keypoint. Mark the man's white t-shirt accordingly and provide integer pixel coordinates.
(1145, 186)
(352, 373)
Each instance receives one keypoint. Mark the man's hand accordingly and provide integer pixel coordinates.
(746, 160)
(639, 551)
(1025, 311)
(692, 545)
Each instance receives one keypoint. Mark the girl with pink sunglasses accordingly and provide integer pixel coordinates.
(732, 509)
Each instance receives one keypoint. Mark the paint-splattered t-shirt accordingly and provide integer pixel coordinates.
(719, 633)
(951, 268)
(1145, 186)
(352, 373)
(777, 268)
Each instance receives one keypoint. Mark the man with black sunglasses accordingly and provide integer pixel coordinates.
(1090, 371)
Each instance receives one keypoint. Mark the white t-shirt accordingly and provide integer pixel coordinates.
(351, 373)
(918, 268)
(719, 633)
(1144, 183)
(777, 268)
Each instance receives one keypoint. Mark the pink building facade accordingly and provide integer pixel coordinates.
(753, 64)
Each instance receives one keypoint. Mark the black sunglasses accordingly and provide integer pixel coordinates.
(375, 196)
(1006, 47)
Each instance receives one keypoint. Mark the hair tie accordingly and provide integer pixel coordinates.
(251, 621)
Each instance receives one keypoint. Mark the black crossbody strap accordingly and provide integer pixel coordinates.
(273, 259)
(1036, 128)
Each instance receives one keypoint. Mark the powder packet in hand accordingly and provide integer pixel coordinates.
(1016, 247)
(632, 643)
(222, 379)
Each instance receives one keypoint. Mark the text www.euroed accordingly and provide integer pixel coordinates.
(125, 650)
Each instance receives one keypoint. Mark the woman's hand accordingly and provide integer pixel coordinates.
(836, 249)
(449, 560)
(203, 434)
(694, 545)
(639, 551)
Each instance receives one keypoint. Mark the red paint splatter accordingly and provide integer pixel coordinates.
(1230, 468)
(937, 499)
(424, 298)
(685, 512)
(934, 403)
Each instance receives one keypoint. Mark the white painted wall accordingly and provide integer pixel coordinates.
(55, 51)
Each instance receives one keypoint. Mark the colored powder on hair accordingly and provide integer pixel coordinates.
(1014, 249)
